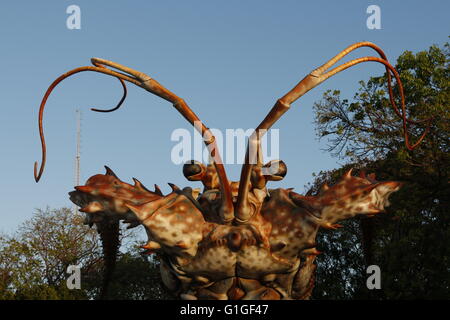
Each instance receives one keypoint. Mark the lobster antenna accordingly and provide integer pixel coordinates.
(244, 210)
(142, 80)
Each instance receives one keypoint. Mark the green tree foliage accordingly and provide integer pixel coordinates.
(411, 241)
(34, 260)
(137, 277)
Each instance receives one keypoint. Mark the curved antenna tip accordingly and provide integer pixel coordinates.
(37, 176)
(120, 102)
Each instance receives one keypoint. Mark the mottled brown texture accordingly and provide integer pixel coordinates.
(269, 257)
(232, 240)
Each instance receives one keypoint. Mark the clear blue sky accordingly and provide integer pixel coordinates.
(230, 60)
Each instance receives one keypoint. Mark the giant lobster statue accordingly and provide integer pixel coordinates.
(232, 240)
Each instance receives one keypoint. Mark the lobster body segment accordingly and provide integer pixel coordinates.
(270, 256)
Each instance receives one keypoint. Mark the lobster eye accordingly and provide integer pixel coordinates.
(275, 170)
(194, 170)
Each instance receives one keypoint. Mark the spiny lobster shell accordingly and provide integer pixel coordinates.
(271, 256)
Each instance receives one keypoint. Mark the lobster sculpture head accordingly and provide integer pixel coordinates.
(231, 240)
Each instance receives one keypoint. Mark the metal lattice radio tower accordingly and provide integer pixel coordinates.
(78, 153)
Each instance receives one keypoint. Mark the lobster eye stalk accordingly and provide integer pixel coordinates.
(194, 170)
(274, 170)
